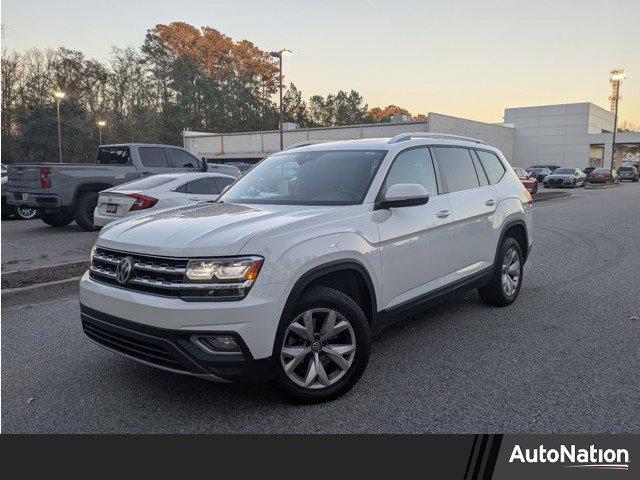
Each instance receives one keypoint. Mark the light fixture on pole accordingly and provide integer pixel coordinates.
(615, 77)
(101, 124)
(59, 96)
(279, 55)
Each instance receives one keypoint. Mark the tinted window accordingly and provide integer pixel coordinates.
(321, 177)
(204, 186)
(482, 176)
(153, 156)
(145, 183)
(492, 165)
(224, 181)
(180, 158)
(413, 166)
(113, 155)
(457, 167)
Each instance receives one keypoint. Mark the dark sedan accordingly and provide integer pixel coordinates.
(602, 175)
(539, 172)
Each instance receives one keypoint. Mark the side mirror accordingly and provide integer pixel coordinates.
(403, 195)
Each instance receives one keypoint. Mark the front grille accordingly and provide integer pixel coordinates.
(135, 346)
(155, 275)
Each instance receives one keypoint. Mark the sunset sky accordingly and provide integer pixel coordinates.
(462, 58)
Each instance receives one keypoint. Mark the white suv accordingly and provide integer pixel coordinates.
(290, 272)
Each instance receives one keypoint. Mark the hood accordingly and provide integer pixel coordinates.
(205, 229)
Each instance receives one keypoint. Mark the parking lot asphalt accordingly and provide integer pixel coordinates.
(28, 244)
(565, 358)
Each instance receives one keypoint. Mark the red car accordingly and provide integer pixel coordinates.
(528, 180)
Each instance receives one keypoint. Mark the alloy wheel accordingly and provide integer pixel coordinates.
(26, 213)
(318, 348)
(510, 272)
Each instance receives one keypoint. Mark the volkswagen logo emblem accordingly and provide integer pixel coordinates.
(123, 270)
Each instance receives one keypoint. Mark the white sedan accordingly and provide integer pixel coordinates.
(158, 192)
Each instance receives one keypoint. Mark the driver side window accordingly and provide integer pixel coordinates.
(413, 166)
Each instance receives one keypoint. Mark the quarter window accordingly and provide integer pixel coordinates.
(153, 156)
(456, 165)
(492, 165)
(413, 166)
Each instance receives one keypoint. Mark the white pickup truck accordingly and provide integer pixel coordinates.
(64, 192)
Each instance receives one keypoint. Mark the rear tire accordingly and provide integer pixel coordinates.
(26, 213)
(502, 291)
(57, 219)
(85, 205)
(297, 350)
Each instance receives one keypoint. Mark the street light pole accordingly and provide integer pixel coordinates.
(59, 96)
(279, 55)
(616, 77)
(101, 124)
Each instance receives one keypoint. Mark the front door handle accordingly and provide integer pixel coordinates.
(443, 213)
(490, 203)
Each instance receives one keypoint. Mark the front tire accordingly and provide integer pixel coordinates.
(85, 207)
(505, 283)
(57, 219)
(323, 348)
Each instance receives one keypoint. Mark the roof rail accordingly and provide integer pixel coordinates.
(402, 137)
(306, 143)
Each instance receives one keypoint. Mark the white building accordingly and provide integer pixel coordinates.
(570, 135)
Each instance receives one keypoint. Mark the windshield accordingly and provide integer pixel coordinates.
(564, 171)
(601, 170)
(329, 177)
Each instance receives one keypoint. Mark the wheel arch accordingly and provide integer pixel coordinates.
(516, 229)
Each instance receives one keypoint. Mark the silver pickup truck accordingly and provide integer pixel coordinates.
(64, 192)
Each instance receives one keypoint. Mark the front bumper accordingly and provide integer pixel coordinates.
(172, 350)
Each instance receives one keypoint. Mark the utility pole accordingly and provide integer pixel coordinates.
(279, 55)
(616, 76)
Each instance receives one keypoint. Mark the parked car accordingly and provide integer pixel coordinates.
(64, 192)
(20, 212)
(588, 170)
(298, 263)
(158, 192)
(539, 172)
(565, 177)
(602, 175)
(627, 172)
(528, 180)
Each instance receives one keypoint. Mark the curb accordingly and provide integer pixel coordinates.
(40, 292)
(591, 186)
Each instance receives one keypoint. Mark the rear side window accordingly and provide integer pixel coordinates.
(413, 166)
(113, 155)
(456, 165)
(145, 183)
(204, 186)
(224, 181)
(153, 156)
(492, 166)
(181, 159)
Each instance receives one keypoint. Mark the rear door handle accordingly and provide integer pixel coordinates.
(443, 213)
(490, 203)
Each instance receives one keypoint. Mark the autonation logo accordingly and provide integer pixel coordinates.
(589, 458)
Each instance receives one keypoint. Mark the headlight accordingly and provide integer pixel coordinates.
(221, 278)
(91, 254)
(224, 269)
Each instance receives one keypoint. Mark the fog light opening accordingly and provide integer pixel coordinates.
(217, 344)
